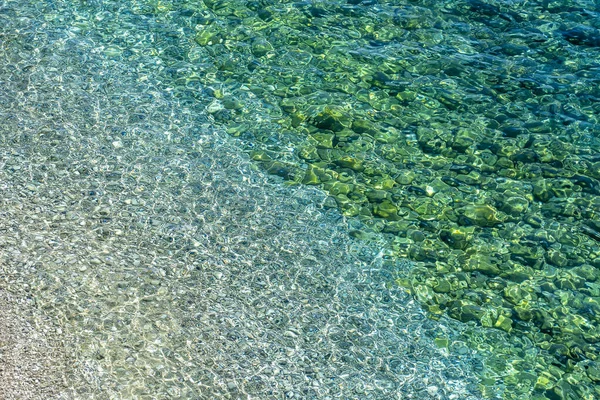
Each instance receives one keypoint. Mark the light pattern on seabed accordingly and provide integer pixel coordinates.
(174, 268)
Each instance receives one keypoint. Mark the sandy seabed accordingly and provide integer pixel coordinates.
(30, 347)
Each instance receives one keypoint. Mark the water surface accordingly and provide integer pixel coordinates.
(455, 143)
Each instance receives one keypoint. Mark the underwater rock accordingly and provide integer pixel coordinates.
(582, 36)
(332, 118)
(459, 238)
(386, 209)
(466, 312)
(261, 47)
(481, 215)
(592, 370)
(483, 263)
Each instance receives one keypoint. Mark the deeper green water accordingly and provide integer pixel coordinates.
(460, 135)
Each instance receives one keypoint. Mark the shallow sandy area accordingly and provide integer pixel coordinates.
(33, 360)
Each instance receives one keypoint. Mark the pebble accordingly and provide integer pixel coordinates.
(214, 107)
(432, 390)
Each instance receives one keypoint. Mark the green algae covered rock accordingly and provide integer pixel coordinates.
(484, 264)
(387, 210)
(481, 215)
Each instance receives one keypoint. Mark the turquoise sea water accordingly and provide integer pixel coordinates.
(315, 200)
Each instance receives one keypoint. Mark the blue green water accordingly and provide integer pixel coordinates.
(274, 199)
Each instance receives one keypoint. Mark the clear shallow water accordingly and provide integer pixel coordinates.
(462, 136)
(174, 267)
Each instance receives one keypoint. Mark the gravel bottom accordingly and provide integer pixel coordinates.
(31, 345)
